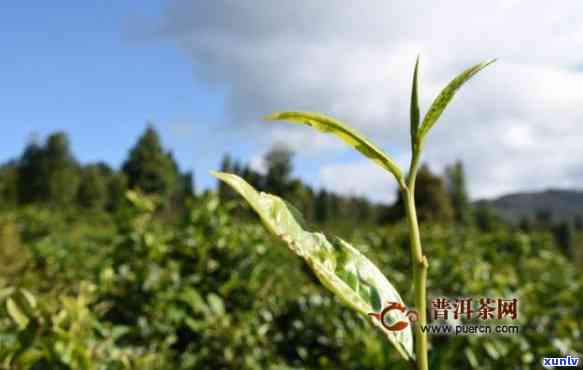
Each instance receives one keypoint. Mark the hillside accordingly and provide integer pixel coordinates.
(562, 204)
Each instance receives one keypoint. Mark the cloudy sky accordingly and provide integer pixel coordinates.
(205, 72)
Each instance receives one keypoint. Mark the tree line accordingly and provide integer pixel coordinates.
(47, 173)
(440, 199)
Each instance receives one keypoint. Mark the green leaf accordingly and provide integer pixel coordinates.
(351, 137)
(194, 300)
(30, 298)
(30, 356)
(446, 95)
(415, 106)
(140, 201)
(338, 265)
(472, 359)
(216, 304)
(5, 292)
(16, 314)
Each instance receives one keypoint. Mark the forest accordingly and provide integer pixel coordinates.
(135, 268)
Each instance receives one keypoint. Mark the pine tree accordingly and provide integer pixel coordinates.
(149, 168)
(32, 175)
(225, 191)
(63, 173)
(456, 186)
(321, 207)
(564, 234)
(431, 196)
(302, 197)
(279, 168)
(486, 218)
(116, 188)
(188, 184)
(363, 210)
(9, 184)
(49, 173)
(93, 187)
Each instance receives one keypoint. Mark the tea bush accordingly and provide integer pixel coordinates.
(212, 291)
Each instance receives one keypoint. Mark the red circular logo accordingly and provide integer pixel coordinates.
(399, 325)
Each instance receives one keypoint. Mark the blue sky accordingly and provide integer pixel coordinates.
(205, 72)
(75, 66)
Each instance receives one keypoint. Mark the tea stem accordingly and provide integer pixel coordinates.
(419, 262)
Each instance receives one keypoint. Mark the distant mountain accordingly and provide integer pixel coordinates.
(561, 204)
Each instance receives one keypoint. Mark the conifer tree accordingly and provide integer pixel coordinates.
(93, 187)
(456, 186)
(431, 196)
(279, 168)
(62, 169)
(149, 168)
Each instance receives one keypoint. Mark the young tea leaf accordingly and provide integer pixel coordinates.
(415, 106)
(339, 266)
(446, 95)
(351, 137)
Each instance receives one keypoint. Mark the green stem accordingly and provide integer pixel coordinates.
(419, 262)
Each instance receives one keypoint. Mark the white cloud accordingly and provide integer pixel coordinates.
(517, 126)
(305, 141)
(257, 163)
(359, 177)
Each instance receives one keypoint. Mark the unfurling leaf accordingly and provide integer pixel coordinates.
(415, 106)
(338, 265)
(351, 137)
(445, 96)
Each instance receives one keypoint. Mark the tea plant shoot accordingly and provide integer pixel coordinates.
(339, 266)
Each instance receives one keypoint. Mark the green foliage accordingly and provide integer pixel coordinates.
(116, 188)
(317, 206)
(279, 168)
(432, 199)
(564, 234)
(32, 176)
(414, 110)
(456, 186)
(322, 207)
(211, 292)
(62, 170)
(47, 173)
(348, 135)
(63, 333)
(445, 97)
(149, 168)
(486, 218)
(92, 191)
(338, 265)
(9, 184)
(406, 186)
(86, 289)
